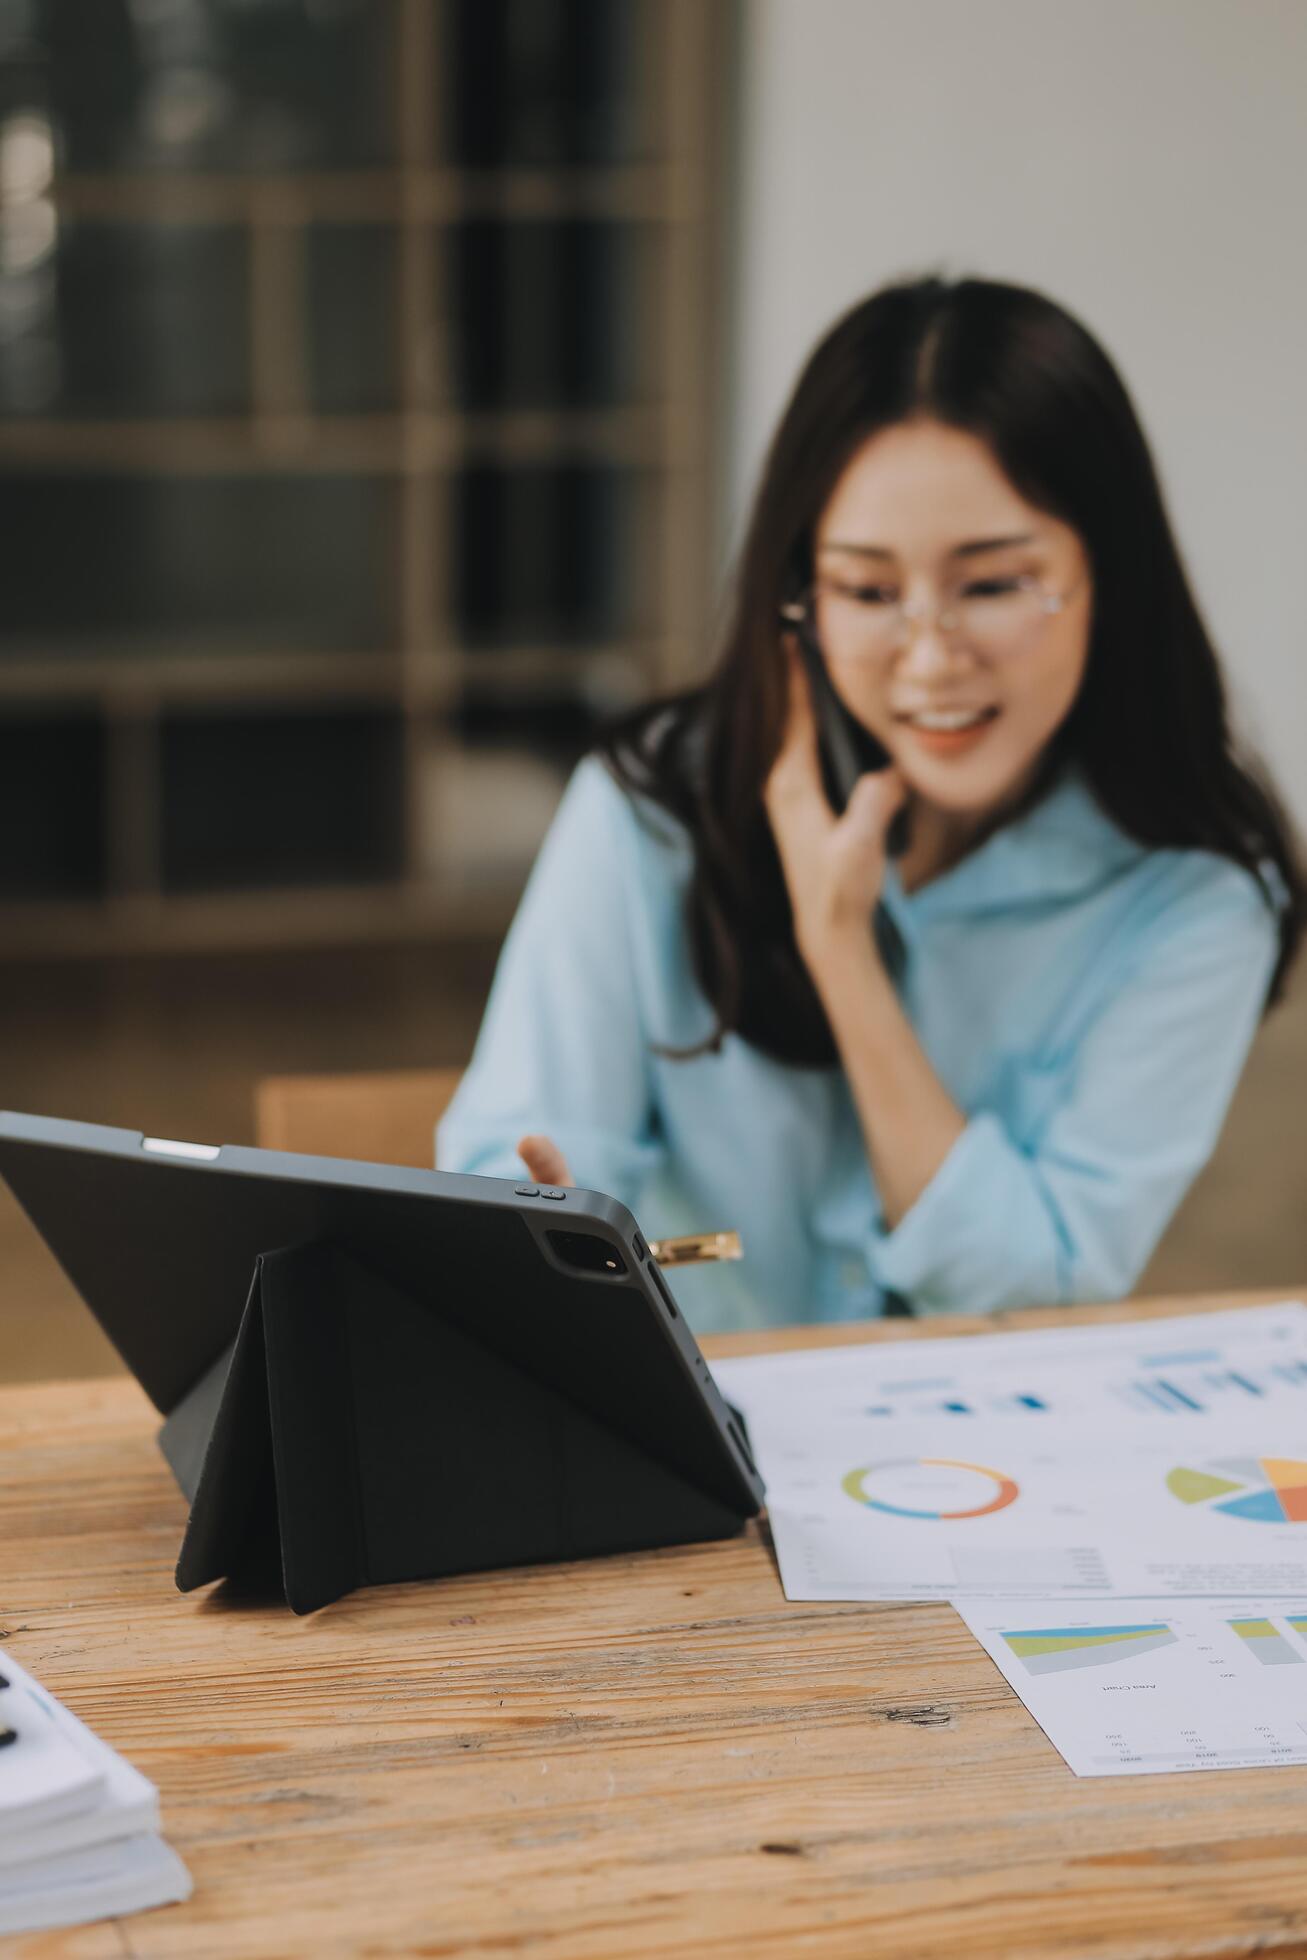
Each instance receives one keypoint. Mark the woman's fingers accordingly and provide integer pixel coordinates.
(545, 1162)
(876, 800)
(834, 866)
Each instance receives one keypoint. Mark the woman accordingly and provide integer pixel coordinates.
(1001, 1094)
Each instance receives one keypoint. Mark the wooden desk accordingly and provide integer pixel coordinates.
(644, 1756)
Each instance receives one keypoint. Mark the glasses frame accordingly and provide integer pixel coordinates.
(801, 611)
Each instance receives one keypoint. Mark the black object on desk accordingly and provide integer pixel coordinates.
(372, 1374)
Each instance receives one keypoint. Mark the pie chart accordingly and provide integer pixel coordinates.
(1262, 1489)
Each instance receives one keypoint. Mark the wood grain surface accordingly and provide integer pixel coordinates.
(646, 1756)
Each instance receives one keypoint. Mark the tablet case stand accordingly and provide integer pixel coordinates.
(350, 1436)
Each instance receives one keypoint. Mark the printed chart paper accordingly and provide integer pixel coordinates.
(1156, 1686)
(1159, 1458)
(1246, 1361)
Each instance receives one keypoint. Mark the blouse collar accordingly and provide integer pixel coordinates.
(1064, 846)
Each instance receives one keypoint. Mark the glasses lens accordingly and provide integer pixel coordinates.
(856, 622)
(998, 615)
(990, 616)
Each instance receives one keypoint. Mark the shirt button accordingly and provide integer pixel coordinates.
(853, 1273)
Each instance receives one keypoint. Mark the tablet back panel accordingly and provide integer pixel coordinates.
(163, 1250)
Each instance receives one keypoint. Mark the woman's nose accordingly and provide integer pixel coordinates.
(925, 651)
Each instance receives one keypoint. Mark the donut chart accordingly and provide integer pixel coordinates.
(946, 1488)
(1260, 1489)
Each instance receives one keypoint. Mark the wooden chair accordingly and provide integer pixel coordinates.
(390, 1118)
(386, 1118)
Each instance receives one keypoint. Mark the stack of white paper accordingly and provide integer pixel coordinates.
(78, 1825)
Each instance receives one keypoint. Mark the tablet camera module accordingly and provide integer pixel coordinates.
(586, 1252)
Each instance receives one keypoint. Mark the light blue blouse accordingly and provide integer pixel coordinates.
(1088, 1003)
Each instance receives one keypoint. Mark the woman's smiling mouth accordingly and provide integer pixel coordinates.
(947, 731)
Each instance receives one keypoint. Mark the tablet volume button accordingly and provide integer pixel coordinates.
(661, 1286)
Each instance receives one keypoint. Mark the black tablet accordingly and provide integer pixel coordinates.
(382, 1373)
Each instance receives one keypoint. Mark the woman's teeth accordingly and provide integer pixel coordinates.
(948, 722)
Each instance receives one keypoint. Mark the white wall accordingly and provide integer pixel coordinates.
(1142, 161)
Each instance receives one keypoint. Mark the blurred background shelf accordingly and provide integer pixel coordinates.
(354, 448)
(364, 367)
(378, 445)
(661, 193)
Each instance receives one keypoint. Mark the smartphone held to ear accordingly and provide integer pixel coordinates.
(847, 749)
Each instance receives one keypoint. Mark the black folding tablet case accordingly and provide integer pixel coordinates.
(371, 1374)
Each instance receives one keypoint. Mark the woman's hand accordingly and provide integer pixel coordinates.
(834, 866)
(544, 1161)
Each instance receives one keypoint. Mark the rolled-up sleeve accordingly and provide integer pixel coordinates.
(1074, 1212)
(562, 1048)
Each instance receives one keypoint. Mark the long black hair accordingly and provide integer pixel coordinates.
(1149, 728)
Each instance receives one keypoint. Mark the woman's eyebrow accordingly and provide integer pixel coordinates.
(977, 545)
(971, 549)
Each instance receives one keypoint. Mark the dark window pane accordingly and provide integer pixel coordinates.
(143, 320)
(550, 314)
(281, 799)
(51, 795)
(557, 727)
(544, 554)
(210, 85)
(23, 76)
(213, 564)
(351, 272)
(544, 82)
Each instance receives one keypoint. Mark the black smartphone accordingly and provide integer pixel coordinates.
(847, 749)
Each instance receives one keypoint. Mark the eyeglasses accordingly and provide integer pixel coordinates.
(993, 617)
